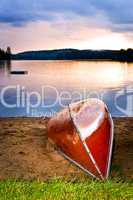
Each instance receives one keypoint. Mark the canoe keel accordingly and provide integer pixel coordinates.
(83, 132)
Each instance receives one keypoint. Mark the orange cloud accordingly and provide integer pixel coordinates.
(80, 33)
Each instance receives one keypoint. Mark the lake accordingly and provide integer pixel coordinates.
(48, 86)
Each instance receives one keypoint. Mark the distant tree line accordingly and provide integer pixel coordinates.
(75, 54)
(5, 55)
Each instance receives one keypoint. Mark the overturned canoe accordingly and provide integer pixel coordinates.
(83, 132)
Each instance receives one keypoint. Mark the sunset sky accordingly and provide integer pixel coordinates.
(53, 24)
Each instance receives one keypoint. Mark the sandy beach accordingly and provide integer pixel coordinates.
(26, 153)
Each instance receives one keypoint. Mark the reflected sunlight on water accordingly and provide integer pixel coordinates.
(71, 76)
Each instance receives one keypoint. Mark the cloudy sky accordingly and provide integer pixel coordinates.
(49, 24)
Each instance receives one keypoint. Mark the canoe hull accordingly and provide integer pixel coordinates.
(83, 139)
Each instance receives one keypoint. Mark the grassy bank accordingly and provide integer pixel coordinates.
(59, 189)
(26, 155)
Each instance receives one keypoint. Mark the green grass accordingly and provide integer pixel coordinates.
(64, 190)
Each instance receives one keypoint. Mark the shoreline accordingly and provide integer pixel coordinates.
(25, 152)
(84, 60)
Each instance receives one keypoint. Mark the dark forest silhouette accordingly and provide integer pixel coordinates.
(75, 54)
(5, 55)
(69, 54)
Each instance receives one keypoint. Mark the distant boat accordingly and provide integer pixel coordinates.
(83, 132)
(19, 72)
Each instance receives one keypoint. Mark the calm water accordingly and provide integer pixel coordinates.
(51, 85)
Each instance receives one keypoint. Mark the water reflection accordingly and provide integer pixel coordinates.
(5, 68)
(72, 80)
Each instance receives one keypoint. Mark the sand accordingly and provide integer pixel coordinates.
(25, 152)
